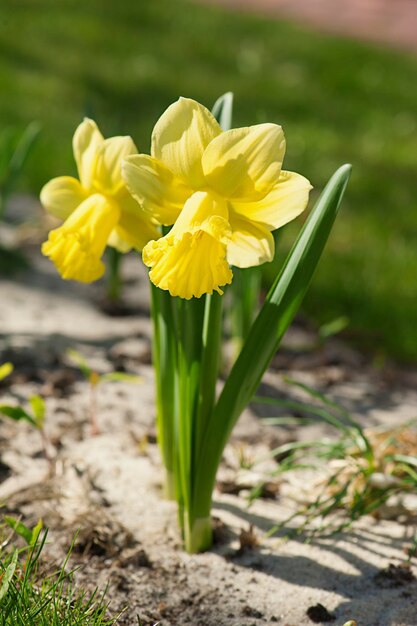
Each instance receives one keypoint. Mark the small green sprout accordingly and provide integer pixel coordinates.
(94, 379)
(35, 416)
(334, 327)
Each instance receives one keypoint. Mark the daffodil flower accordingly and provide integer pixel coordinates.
(98, 209)
(223, 191)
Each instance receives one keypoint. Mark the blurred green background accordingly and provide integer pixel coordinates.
(338, 100)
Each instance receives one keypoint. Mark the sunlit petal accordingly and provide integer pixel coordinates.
(284, 203)
(116, 241)
(160, 193)
(180, 137)
(135, 226)
(245, 163)
(62, 195)
(77, 246)
(251, 243)
(86, 142)
(108, 169)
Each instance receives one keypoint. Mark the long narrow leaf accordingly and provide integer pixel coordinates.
(267, 331)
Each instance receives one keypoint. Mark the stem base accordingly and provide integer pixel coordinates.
(198, 536)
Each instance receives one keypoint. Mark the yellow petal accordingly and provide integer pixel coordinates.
(160, 193)
(86, 142)
(287, 199)
(62, 195)
(180, 137)
(245, 163)
(191, 259)
(251, 243)
(135, 226)
(108, 171)
(77, 246)
(116, 241)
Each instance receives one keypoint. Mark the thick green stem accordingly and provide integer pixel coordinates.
(210, 360)
(198, 535)
(198, 369)
(114, 281)
(190, 325)
(165, 368)
(169, 485)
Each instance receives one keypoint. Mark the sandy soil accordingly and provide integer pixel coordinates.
(109, 486)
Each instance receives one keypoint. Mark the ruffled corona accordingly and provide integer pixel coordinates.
(191, 259)
(176, 264)
(77, 246)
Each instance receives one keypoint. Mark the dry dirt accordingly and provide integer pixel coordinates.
(109, 486)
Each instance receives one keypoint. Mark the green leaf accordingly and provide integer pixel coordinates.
(20, 528)
(278, 311)
(223, 110)
(16, 413)
(5, 370)
(8, 575)
(38, 408)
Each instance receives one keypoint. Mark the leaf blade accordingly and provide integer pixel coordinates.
(281, 304)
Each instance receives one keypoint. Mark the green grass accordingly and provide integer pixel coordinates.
(338, 100)
(358, 470)
(31, 597)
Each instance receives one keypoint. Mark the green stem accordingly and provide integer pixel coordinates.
(169, 484)
(165, 367)
(198, 369)
(198, 535)
(114, 281)
(210, 360)
(191, 319)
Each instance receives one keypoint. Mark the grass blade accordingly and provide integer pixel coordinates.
(8, 575)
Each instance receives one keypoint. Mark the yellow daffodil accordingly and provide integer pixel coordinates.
(98, 209)
(223, 191)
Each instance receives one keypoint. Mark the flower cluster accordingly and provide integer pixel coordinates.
(98, 209)
(223, 193)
